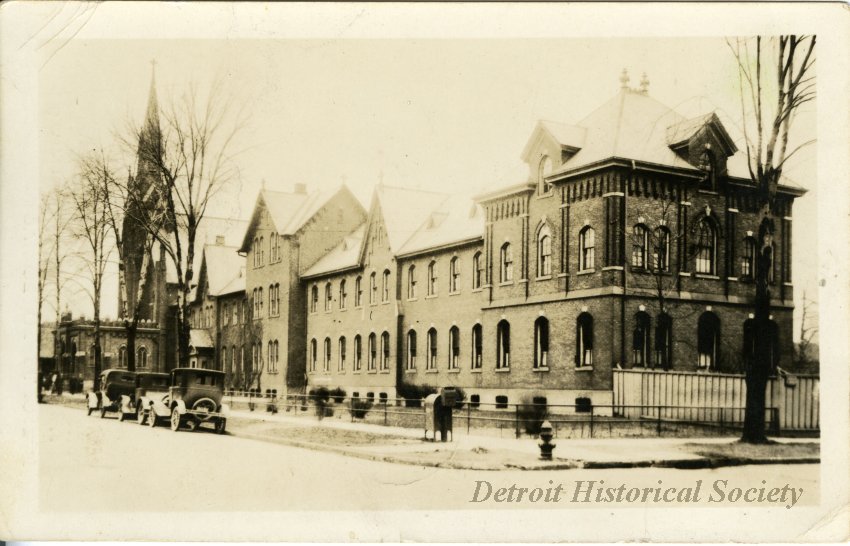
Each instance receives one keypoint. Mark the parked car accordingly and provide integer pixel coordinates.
(151, 397)
(194, 398)
(117, 391)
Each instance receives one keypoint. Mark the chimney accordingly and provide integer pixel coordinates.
(644, 85)
(300, 188)
(219, 240)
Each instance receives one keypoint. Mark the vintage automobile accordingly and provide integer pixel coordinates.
(151, 396)
(117, 390)
(194, 398)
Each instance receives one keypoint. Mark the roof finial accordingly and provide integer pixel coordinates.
(644, 84)
(624, 79)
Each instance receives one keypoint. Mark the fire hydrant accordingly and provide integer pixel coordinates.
(546, 445)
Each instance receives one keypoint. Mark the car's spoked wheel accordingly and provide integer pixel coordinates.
(175, 420)
(151, 418)
(140, 414)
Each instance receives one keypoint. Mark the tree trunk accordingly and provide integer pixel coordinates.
(760, 366)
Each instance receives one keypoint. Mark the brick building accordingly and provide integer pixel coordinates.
(287, 233)
(630, 244)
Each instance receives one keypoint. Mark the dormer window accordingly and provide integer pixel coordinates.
(544, 170)
(708, 165)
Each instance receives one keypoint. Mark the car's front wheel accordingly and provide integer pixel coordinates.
(176, 420)
(151, 417)
(140, 414)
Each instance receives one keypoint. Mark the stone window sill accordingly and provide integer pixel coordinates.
(506, 283)
(454, 370)
(432, 371)
(476, 370)
(544, 278)
(502, 370)
(541, 369)
(584, 368)
(586, 272)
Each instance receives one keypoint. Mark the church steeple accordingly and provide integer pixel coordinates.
(150, 132)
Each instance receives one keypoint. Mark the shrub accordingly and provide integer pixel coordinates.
(413, 394)
(460, 399)
(338, 395)
(320, 399)
(359, 408)
(531, 415)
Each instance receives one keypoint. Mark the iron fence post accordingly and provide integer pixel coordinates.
(721, 421)
(351, 408)
(591, 421)
(385, 414)
(468, 416)
(516, 420)
(658, 421)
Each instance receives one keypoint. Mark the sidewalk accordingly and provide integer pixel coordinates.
(407, 446)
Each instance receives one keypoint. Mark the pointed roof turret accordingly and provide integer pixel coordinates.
(152, 114)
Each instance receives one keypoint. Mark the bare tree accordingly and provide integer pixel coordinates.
(190, 159)
(654, 240)
(45, 253)
(91, 226)
(121, 200)
(807, 333)
(769, 103)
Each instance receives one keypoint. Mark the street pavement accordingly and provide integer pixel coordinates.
(94, 464)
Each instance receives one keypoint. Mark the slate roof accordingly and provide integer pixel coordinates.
(415, 221)
(224, 269)
(344, 256)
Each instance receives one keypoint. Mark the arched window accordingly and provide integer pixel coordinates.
(708, 340)
(313, 354)
(385, 286)
(503, 345)
(709, 167)
(358, 352)
(358, 291)
(411, 350)
(706, 247)
(342, 353)
(231, 364)
(661, 249)
(141, 357)
(544, 252)
(454, 276)
(327, 363)
(432, 278)
(506, 269)
(543, 170)
(454, 348)
(385, 351)
(584, 340)
(640, 339)
(258, 355)
(432, 350)
(256, 251)
(477, 347)
(373, 352)
(639, 245)
(122, 356)
(343, 295)
(664, 342)
(748, 258)
(373, 288)
(262, 251)
(411, 282)
(270, 353)
(477, 271)
(329, 298)
(587, 251)
(541, 343)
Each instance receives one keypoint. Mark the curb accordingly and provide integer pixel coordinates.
(681, 464)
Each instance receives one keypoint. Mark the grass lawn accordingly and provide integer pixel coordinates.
(753, 451)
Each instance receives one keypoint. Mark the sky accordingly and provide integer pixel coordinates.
(445, 114)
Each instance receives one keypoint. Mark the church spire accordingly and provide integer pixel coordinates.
(152, 115)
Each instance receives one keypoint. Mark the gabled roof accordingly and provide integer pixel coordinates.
(210, 229)
(200, 339)
(343, 256)
(223, 267)
(404, 211)
(288, 211)
(568, 137)
(457, 219)
(679, 133)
